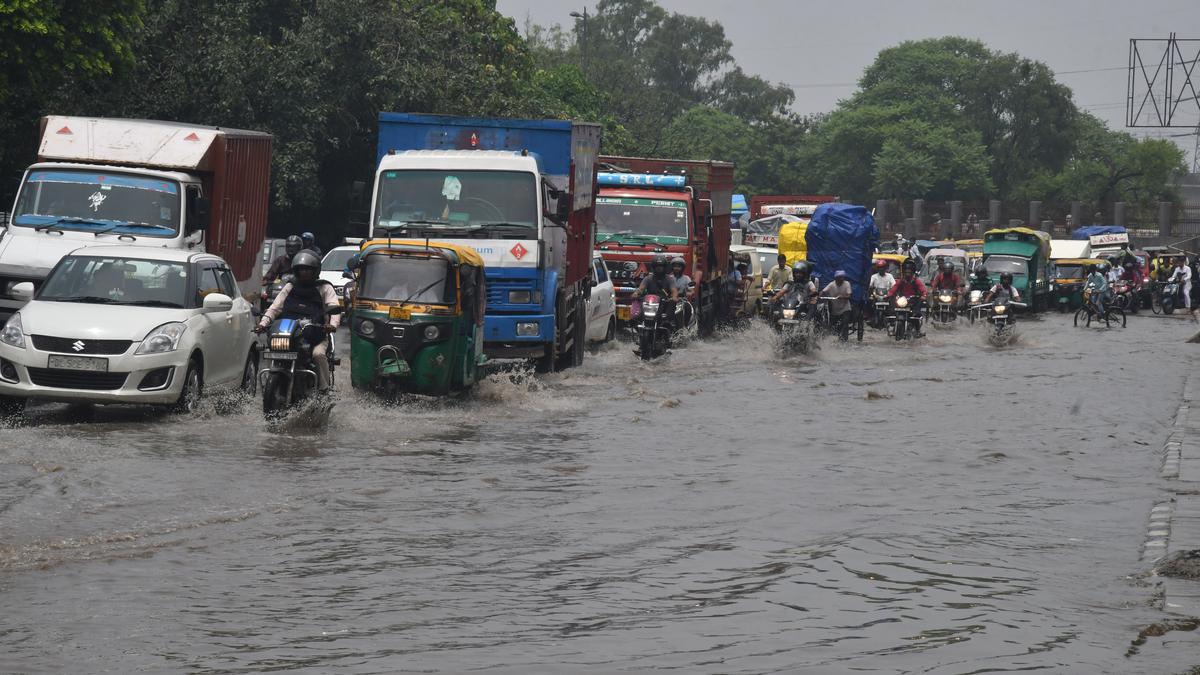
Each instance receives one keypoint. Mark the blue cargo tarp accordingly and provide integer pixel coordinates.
(739, 205)
(1093, 230)
(842, 237)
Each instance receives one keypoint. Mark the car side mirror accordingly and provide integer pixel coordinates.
(23, 291)
(347, 274)
(217, 302)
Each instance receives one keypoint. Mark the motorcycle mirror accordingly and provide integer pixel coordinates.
(333, 311)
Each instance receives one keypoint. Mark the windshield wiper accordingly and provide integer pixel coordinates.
(69, 221)
(151, 303)
(435, 283)
(84, 298)
(407, 223)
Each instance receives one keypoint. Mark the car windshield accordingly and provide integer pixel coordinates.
(120, 281)
(335, 260)
(70, 199)
(388, 276)
(646, 217)
(995, 265)
(768, 261)
(449, 198)
(1068, 272)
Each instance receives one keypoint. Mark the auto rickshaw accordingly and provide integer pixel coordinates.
(894, 261)
(1067, 278)
(418, 318)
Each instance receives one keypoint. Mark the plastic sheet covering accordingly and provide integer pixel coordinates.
(842, 237)
(792, 241)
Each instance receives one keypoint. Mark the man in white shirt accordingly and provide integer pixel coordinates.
(1183, 273)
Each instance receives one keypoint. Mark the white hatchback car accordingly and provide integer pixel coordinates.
(128, 324)
(332, 266)
(601, 305)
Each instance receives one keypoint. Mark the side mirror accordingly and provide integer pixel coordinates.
(23, 291)
(346, 274)
(217, 302)
(563, 207)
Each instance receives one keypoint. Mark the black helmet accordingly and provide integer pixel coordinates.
(947, 266)
(659, 265)
(1006, 278)
(908, 266)
(292, 245)
(308, 238)
(800, 269)
(1091, 269)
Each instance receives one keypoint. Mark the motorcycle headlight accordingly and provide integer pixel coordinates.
(163, 339)
(13, 334)
(901, 302)
(281, 343)
(789, 313)
(1000, 309)
(976, 296)
(650, 309)
(944, 297)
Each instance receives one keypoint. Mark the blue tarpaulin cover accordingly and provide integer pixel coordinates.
(1093, 230)
(739, 205)
(842, 237)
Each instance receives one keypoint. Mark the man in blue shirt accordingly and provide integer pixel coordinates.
(1098, 284)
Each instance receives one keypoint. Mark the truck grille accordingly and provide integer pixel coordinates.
(77, 379)
(47, 343)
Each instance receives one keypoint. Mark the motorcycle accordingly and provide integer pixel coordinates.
(1001, 319)
(880, 306)
(905, 320)
(655, 326)
(288, 376)
(793, 322)
(974, 301)
(1168, 295)
(944, 307)
(1125, 295)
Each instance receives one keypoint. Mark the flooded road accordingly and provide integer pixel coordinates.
(943, 507)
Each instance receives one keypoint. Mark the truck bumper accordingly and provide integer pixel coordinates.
(517, 328)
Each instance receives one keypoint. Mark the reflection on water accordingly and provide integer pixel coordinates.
(940, 506)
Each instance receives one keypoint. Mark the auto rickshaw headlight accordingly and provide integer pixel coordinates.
(431, 333)
(366, 328)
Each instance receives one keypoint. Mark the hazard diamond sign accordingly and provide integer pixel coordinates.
(518, 251)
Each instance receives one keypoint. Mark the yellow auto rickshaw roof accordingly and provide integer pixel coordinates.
(466, 254)
(1078, 261)
(968, 242)
(894, 257)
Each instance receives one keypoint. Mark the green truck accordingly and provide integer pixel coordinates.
(1025, 254)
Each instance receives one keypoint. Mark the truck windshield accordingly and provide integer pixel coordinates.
(70, 199)
(452, 198)
(616, 216)
(996, 265)
(117, 281)
(402, 277)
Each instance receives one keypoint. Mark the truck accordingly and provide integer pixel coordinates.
(137, 182)
(1024, 253)
(762, 206)
(521, 193)
(675, 208)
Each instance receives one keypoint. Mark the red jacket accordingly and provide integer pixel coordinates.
(907, 287)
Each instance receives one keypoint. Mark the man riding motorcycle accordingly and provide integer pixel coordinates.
(281, 264)
(948, 280)
(909, 285)
(310, 243)
(1004, 291)
(801, 284)
(682, 282)
(307, 296)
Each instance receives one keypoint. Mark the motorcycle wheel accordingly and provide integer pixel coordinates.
(1155, 305)
(646, 345)
(901, 329)
(275, 395)
(1168, 305)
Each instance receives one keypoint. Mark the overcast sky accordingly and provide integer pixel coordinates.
(820, 48)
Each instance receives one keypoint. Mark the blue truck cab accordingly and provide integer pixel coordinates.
(522, 194)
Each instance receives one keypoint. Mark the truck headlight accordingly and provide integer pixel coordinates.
(13, 334)
(527, 329)
(163, 339)
(519, 297)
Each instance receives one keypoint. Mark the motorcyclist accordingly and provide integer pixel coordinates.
(1183, 274)
(908, 284)
(1097, 282)
(882, 281)
(779, 274)
(980, 280)
(800, 284)
(659, 283)
(310, 243)
(1113, 271)
(682, 283)
(307, 296)
(1004, 291)
(839, 308)
(283, 263)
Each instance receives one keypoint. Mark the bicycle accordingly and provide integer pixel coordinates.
(1089, 312)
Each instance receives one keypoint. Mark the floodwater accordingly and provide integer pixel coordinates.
(937, 507)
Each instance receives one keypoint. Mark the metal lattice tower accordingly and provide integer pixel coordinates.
(1164, 83)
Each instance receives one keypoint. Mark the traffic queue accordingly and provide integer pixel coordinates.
(130, 271)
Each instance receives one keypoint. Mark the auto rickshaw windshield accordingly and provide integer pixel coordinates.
(407, 278)
(1068, 272)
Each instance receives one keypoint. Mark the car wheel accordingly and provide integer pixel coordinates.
(193, 385)
(250, 375)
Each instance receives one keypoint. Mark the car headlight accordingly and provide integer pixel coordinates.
(519, 297)
(901, 302)
(13, 334)
(163, 339)
(1000, 309)
(789, 313)
(432, 332)
(339, 291)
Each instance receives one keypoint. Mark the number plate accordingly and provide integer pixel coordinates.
(77, 363)
(400, 313)
(622, 312)
(279, 356)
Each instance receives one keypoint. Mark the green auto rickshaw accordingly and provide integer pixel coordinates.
(418, 318)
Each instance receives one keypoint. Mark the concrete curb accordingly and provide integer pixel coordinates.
(1174, 524)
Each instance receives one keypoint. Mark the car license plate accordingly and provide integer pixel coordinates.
(77, 363)
(279, 356)
(622, 312)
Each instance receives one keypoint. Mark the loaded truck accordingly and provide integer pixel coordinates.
(137, 182)
(804, 206)
(519, 192)
(1025, 254)
(675, 208)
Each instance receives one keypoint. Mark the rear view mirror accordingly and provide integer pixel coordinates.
(217, 302)
(22, 291)
(564, 208)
